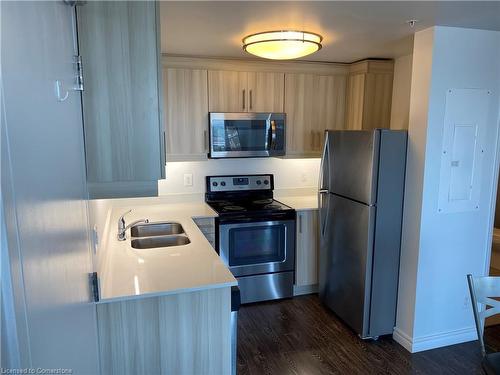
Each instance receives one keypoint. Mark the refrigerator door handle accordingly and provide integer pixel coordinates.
(323, 219)
(325, 166)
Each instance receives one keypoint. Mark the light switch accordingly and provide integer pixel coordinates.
(188, 179)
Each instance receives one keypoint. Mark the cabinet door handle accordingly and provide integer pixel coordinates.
(243, 98)
(164, 142)
(250, 99)
(300, 224)
(205, 140)
(163, 153)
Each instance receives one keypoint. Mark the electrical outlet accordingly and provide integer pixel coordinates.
(188, 179)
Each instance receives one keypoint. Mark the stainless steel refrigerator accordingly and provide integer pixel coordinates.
(360, 207)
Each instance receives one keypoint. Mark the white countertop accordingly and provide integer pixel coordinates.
(300, 202)
(128, 273)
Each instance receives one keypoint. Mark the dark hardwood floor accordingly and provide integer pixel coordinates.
(300, 336)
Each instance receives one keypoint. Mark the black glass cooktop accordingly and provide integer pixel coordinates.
(247, 206)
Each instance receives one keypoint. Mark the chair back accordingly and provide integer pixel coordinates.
(482, 291)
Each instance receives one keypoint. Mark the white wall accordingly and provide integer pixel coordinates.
(400, 109)
(440, 249)
(288, 173)
(291, 177)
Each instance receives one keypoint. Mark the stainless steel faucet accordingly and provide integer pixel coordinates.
(122, 229)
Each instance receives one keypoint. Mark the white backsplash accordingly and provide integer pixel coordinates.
(288, 173)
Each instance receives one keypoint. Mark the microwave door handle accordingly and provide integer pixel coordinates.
(268, 134)
(273, 134)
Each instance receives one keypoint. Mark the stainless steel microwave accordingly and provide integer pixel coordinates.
(246, 135)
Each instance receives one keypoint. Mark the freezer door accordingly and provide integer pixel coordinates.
(353, 159)
(346, 252)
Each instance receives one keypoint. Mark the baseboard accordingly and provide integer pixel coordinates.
(403, 339)
(299, 290)
(419, 344)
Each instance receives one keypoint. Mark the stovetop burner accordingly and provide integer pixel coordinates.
(245, 206)
(232, 207)
(243, 194)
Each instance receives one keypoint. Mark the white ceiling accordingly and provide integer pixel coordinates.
(352, 30)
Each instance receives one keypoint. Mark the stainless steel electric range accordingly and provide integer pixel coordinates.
(255, 235)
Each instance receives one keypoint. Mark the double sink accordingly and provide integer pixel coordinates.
(160, 234)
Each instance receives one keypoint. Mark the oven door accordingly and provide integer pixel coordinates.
(238, 135)
(257, 247)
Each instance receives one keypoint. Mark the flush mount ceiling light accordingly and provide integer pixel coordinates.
(282, 45)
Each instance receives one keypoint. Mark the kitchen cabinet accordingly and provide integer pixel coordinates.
(227, 91)
(306, 263)
(186, 113)
(314, 96)
(266, 92)
(237, 91)
(118, 43)
(184, 333)
(369, 95)
(313, 103)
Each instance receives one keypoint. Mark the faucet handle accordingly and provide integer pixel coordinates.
(122, 218)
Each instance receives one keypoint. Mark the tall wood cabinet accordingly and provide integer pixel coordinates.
(369, 95)
(121, 102)
(236, 91)
(313, 103)
(186, 113)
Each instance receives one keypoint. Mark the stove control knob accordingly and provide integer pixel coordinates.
(223, 183)
(258, 182)
(266, 182)
(214, 183)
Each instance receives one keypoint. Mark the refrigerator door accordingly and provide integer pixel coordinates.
(346, 251)
(353, 159)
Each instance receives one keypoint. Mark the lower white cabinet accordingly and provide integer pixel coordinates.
(306, 262)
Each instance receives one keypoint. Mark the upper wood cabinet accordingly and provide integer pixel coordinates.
(186, 113)
(227, 91)
(313, 103)
(314, 96)
(266, 92)
(121, 105)
(369, 95)
(235, 91)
